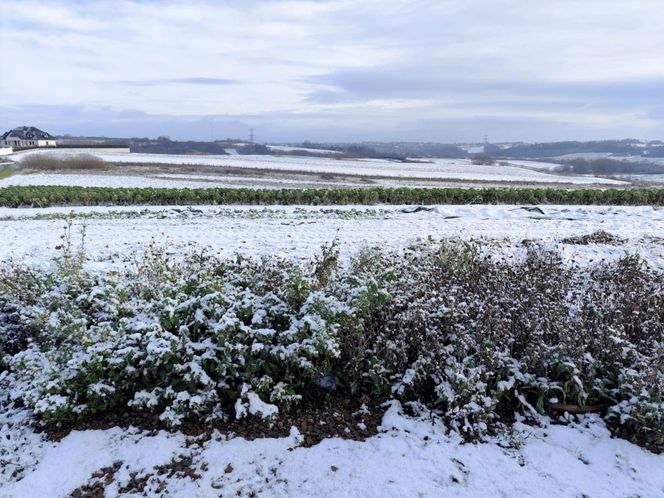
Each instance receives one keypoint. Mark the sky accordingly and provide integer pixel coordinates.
(336, 71)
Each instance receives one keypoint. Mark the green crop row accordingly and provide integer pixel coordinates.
(44, 196)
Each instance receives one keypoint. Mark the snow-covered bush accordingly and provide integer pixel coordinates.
(475, 339)
(478, 339)
(180, 340)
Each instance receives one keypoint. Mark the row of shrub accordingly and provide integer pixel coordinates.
(52, 162)
(475, 340)
(44, 196)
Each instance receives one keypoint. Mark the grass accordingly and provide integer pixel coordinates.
(51, 195)
(6, 172)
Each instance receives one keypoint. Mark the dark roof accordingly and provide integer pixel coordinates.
(26, 133)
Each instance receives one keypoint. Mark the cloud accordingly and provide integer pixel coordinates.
(421, 82)
(313, 69)
(183, 81)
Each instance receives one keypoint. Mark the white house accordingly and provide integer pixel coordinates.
(26, 137)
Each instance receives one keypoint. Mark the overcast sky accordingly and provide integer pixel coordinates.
(439, 70)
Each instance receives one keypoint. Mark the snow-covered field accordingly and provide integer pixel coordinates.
(548, 166)
(409, 457)
(645, 178)
(617, 157)
(31, 235)
(160, 180)
(541, 165)
(439, 169)
(290, 148)
(115, 181)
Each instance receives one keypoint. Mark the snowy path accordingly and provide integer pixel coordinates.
(407, 458)
(115, 234)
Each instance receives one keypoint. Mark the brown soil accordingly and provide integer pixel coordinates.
(334, 417)
(599, 237)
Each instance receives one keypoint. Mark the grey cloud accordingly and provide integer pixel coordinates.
(181, 81)
(423, 82)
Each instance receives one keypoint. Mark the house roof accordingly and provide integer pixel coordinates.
(26, 133)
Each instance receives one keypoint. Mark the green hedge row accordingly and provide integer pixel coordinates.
(44, 196)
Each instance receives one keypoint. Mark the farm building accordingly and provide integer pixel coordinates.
(26, 137)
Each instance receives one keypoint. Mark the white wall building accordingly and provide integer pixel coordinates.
(26, 137)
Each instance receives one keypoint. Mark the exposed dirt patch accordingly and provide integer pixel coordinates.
(95, 487)
(336, 416)
(598, 237)
(139, 482)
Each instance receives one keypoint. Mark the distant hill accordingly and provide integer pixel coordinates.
(167, 146)
(384, 150)
(554, 149)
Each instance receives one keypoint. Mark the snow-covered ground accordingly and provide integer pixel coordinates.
(617, 157)
(408, 457)
(115, 181)
(585, 155)
(541, 165)
(472, 148)
(441, 169)
(645, 178)
(638, 159)
(113, 234)
(548, 166)
(255, 181)
(161, 180)
(290, 148)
